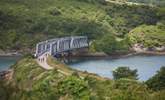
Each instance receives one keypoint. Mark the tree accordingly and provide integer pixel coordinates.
(106, 44)
(157, 82)
(125, 72)
(75, 87)
(110, 45)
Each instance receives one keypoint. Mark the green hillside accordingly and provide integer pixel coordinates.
(25, 22)
(113, 27)
(31, 82)
(149, 36)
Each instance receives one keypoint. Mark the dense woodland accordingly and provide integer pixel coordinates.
(26, 22)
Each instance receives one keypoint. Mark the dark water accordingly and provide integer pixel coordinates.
(6, 62)
(146, 65)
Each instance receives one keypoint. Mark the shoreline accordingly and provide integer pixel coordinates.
(97, 54)
(115, 56)
(10, 55)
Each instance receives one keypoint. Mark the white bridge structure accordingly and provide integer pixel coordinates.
(61, 45)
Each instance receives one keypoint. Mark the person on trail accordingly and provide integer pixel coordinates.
(40, 59)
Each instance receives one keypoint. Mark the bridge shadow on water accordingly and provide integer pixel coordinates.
(79, 59)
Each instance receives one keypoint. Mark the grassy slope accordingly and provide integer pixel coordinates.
(32, 82)
(149, 36)
(52, 62)
(39, 18)
(22, 19)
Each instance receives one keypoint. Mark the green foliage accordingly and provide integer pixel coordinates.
(149, 36)
(36, 84)
(110, 45)
(106, 44)
(125, 72)
(75, 87)
(30, 82)
(157, 82)
(126, 17)
(159, 95)
(22, 19)
(128, 92)
(122, 89)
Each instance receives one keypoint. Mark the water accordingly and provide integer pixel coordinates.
(146, 65)
(6, 62)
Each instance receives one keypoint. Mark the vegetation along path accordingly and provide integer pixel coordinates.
(42, 61)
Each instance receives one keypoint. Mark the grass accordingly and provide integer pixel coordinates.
(59, 66)
(149, 36)
(30, 81)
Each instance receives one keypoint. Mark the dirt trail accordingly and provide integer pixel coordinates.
(42, 61)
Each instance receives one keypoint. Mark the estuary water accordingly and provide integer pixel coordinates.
(147, 66)
(6, 62)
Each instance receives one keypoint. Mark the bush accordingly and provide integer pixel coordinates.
(110, 45)
(106, 44)
(148, 35)
(74, 86)
(157, 82)
(125, 72)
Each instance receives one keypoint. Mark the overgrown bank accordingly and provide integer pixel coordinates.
(32, 82)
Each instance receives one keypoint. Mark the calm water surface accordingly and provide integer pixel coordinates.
(146, 65)
(6, 62)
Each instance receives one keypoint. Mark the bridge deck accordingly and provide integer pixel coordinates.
(60, 45)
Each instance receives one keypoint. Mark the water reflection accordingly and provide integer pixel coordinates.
(6, 62)
(146, 65)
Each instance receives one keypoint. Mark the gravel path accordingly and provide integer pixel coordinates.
(42, 61)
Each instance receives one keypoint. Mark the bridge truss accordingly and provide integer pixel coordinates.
(60, 45)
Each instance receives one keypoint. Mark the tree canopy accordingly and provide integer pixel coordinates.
(157, 82)
(125, 72)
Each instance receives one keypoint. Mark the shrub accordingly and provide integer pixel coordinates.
(125, 72)
(157, 82)
(75, 87)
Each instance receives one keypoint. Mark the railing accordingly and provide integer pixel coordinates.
(59, 45)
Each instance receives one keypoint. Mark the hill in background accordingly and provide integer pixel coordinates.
(25, 22)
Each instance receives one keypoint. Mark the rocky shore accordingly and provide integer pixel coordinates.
(117, 55)
(10, 53)
(6, 75)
